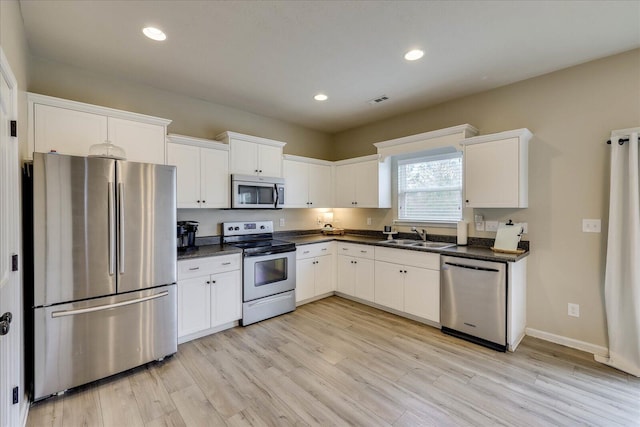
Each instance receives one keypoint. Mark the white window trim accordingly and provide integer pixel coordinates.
(414, 158)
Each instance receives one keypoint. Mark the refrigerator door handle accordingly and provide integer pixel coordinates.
(108, 306)
(121, 227)
(112, 228)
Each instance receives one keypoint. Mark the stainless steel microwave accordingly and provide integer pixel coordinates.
(256, 192)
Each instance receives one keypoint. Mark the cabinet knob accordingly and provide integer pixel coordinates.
(256, 170)
(310, 203)
(198, 201)
(467, 200)
(260, 171)
(204, 201)
(208, 282)
(213, 281)
(405, 271)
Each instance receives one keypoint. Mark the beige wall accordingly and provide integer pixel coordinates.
(571, 114)
(191, 116)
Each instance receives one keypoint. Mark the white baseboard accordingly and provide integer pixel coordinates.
(596, 350)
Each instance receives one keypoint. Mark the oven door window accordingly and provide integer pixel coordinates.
(270, 271)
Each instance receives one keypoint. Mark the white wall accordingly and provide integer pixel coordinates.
(14, 45)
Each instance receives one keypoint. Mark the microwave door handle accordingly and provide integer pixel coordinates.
(276, 196)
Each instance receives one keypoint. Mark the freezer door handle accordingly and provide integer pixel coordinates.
(112, 228)
(108, 306)
(121, 227)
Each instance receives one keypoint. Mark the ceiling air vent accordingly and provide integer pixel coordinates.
(378, 100)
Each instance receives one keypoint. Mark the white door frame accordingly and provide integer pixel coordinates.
(11, 345)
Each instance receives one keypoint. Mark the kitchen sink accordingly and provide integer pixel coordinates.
(432, 245)
(401, 242)
(417, 243)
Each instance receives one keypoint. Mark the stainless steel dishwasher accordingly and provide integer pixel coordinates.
(474, 300)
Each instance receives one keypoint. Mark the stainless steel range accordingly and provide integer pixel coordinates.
(269, 270)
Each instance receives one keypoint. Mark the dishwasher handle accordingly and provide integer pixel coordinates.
(472, 267)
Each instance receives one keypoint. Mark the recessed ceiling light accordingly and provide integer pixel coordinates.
(321, 97)
(154, 33)
(414, 54)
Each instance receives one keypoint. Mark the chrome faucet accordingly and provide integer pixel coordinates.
(422, 233)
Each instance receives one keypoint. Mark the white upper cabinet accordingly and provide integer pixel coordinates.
(363, 182)
(70, 127)
(202, 171)
(496, 170)
(252, 155)
(308, 182)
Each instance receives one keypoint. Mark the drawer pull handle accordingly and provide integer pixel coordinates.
(364, 252)
(194, 268)
(226, 263)
(324, 249)
(305, 252)
(345, 249)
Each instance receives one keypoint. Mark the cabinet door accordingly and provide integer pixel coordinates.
(67, 131)
(389, 285)
(226, 298)
(319, 186)
(345, 186)
(491, 174)
(305, 279)
(365, 279)
(186, 159)
(142, 142)
(324, 275)
(296, 177)
(214, 178)
(366, 178)
(346, 275)
(269, 160)
(194, 305)
(243, 157)
(422, 293)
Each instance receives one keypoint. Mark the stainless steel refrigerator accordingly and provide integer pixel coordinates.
(104, 268)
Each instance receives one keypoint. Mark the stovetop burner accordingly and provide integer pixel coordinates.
(254, 237)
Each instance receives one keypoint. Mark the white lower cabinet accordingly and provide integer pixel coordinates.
(408, 281)
(209, 295)
(355, 270)
(314, 271)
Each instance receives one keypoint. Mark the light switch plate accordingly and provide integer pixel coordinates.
(479, 225)
(281, 222)
(591, 225)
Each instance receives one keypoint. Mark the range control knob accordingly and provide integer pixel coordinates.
(262, 227)
(236, 228)
(230, 228)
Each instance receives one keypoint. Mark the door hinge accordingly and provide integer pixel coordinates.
(14, 262)
(16, 397)
(14, 128)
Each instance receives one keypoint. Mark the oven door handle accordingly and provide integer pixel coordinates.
(271, 252)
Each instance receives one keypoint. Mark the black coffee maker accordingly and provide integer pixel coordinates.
(187, 235)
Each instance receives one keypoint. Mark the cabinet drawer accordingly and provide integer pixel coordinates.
(314, 250)
(361, 251)
(407, 257)
(189, 268)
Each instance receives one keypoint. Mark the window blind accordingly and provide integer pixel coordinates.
(430, 188)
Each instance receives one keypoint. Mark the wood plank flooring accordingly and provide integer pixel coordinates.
(337, 362)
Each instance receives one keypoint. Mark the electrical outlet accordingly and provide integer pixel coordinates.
(491, 226)
(591, 225)
(319, 220)
(368, 221)
(573, 310)
(281, 222)
(479, 225)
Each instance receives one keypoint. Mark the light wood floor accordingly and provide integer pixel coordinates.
(336, 362)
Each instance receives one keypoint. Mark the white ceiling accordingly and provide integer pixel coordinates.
(271, 57)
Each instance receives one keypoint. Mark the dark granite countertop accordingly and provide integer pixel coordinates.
(475, 252)
(209, 250)
(478, 248)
